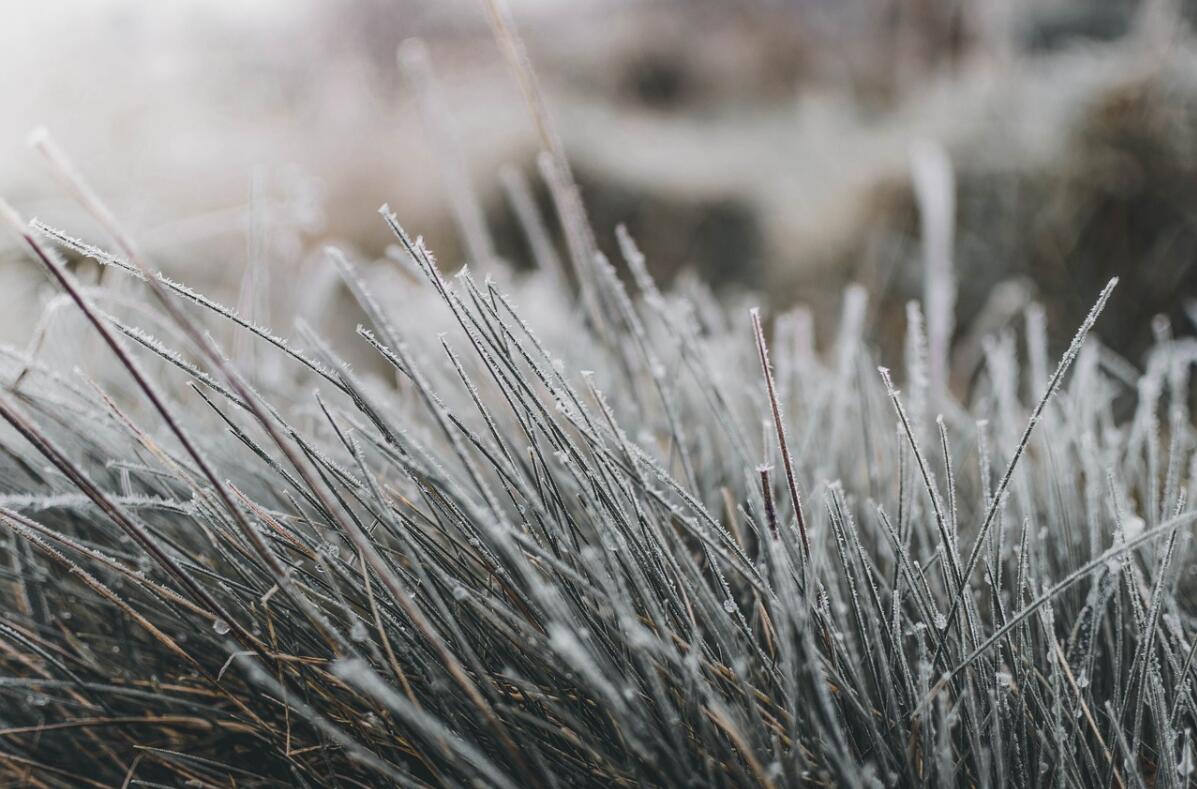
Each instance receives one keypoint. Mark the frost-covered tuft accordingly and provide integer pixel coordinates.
(654, 541)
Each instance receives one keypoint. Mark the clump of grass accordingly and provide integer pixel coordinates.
(570, 559)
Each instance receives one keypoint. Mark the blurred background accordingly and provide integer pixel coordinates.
(762, 146)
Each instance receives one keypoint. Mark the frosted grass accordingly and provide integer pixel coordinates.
(659, 542)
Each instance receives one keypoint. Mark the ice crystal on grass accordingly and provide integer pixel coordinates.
(481, 566)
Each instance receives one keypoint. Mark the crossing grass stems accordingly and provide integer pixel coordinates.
(515, 561)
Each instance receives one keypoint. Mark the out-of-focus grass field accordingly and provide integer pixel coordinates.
(756, 145)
